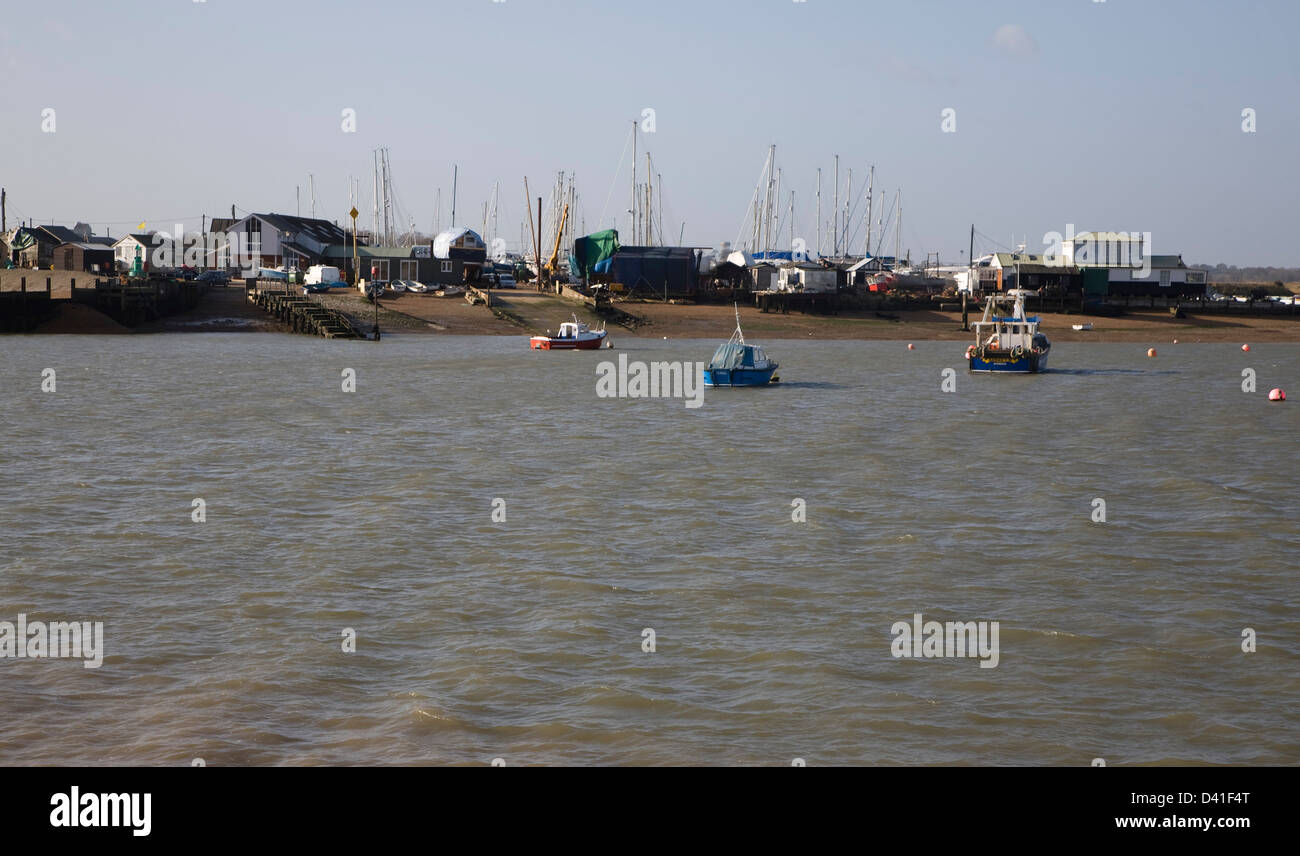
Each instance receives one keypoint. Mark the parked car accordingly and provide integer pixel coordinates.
(316, 288)
(214, 277)
(505, 280)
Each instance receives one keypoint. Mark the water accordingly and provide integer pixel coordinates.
(522, 639)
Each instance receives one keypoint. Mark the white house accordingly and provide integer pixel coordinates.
(126, 249)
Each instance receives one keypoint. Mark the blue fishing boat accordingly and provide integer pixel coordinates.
(738, 364)
(1006, 340)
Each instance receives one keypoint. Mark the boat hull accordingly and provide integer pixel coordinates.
(738, 377)
(549, 343)
(1030, 363)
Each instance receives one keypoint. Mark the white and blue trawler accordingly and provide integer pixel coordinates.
(735, 363)
(1008, 342)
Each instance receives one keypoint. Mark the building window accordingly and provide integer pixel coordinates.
(446, 267)
(1164, 278)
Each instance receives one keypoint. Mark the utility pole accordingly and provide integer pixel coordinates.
(4, 217)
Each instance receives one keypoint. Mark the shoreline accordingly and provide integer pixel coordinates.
(522, 313)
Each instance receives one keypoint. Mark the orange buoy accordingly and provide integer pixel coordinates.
(1246, 348)
(1276, 395)
(1151, 352)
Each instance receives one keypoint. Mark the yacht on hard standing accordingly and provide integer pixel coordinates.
(1006, 340)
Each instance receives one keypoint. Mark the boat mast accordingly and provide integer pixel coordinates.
(649, 204)
(632, 210)
(819, 212)
(898, 228)
(455, 179)
(871, 182)
(835, 242)
(848, 198)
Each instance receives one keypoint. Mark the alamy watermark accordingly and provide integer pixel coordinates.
(38, 640)
(934, 639)
(1107, 249)
(658, 379)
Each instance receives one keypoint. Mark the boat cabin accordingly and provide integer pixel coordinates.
(733, 355)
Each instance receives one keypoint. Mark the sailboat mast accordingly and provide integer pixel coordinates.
(649, 189)
(632, 209)
(455, 180)
(835, 249)
(898, 230)
(871, 182)
(848, 199)
(819, 212)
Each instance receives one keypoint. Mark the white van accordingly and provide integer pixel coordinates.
(322, 275)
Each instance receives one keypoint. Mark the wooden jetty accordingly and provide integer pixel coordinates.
(130, 302)
(801, 301)
(302, 314)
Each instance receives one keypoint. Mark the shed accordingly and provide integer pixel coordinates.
(84, 256)
(662, 271)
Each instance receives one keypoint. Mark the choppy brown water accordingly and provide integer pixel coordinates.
(522, 639)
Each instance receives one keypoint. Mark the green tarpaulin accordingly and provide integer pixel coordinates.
(591, 254)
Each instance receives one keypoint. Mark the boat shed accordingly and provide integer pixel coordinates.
(660, 271)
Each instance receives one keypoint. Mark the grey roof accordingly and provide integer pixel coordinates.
(86, 245)
(323, 231)
(62, 234)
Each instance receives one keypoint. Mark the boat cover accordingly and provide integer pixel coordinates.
(593, 253)
(733, 356)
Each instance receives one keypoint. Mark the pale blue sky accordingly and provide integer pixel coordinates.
(1121, 115)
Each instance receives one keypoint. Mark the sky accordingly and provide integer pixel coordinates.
(1020, 118)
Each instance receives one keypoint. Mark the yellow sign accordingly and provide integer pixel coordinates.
(353, 213)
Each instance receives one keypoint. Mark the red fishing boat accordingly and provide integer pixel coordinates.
(573, 335)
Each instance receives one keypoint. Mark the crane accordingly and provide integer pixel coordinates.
(559, 235)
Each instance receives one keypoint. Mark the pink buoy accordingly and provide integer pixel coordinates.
(911, 347)
(1175, 341)
(1246, 348)
(1276, 395)
(1151, 352)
